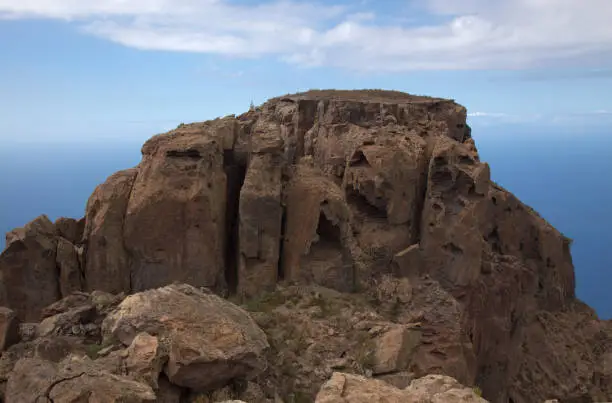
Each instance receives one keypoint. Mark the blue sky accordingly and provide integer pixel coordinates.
(82, 70)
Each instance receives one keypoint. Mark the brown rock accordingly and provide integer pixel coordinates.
(94, 388)
(72, 322)
(317, 244)
(53, 349)
(145, 359)
(260, 218)
(167, 392)
(451, 241)
(73, 380)
(346, 388)
(105, 302)
(394, 349)
(70, 276)
(28, 269)
(180, 192)
(445, 347)
(373, 191)
(9, 328)
(30, 381)
(69, 302)
(441, 389)
(57, 348)
(107, 263)
(211, 340)
(70, 229)
(400, 380)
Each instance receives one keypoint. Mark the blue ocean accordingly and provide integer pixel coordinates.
(566, 177)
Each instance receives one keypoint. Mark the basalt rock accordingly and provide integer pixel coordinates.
(376, 192)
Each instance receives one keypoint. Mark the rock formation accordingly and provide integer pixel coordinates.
(173, 344)
(377, 199)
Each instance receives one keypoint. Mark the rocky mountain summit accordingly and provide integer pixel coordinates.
(328, 246)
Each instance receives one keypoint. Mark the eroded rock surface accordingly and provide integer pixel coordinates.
(376, 193)
(210, 340)
(348, 388)
(74, 380)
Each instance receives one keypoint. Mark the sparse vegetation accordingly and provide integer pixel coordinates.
(299, 397)
(396, 309)
(477, 391)
(326, 307)
(92, 350)
(201, 398)
(372, 94)
(266, 302)
(365, 356)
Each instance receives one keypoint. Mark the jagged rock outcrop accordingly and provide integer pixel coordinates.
(39, 266)
(376, 192)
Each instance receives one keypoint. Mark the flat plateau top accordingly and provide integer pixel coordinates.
(385, 96)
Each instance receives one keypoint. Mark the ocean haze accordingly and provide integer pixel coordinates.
(562, 175)
(565, 177)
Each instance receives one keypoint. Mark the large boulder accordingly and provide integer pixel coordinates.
(211, 341)
(394, 349)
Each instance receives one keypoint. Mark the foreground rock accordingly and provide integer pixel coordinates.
(74, 380)
(379, 195)
(210, 340)
(348, 388)
(160, 344)
(39, 266)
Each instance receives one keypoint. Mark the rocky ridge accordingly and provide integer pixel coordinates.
(361, 230)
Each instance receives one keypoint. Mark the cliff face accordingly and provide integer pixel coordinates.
(350, 190)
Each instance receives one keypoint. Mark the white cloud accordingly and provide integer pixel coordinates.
(451, 34)
(582, 118)
(487, 115)
(499, 118)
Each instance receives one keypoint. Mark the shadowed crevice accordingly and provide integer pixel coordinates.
(235, 172)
